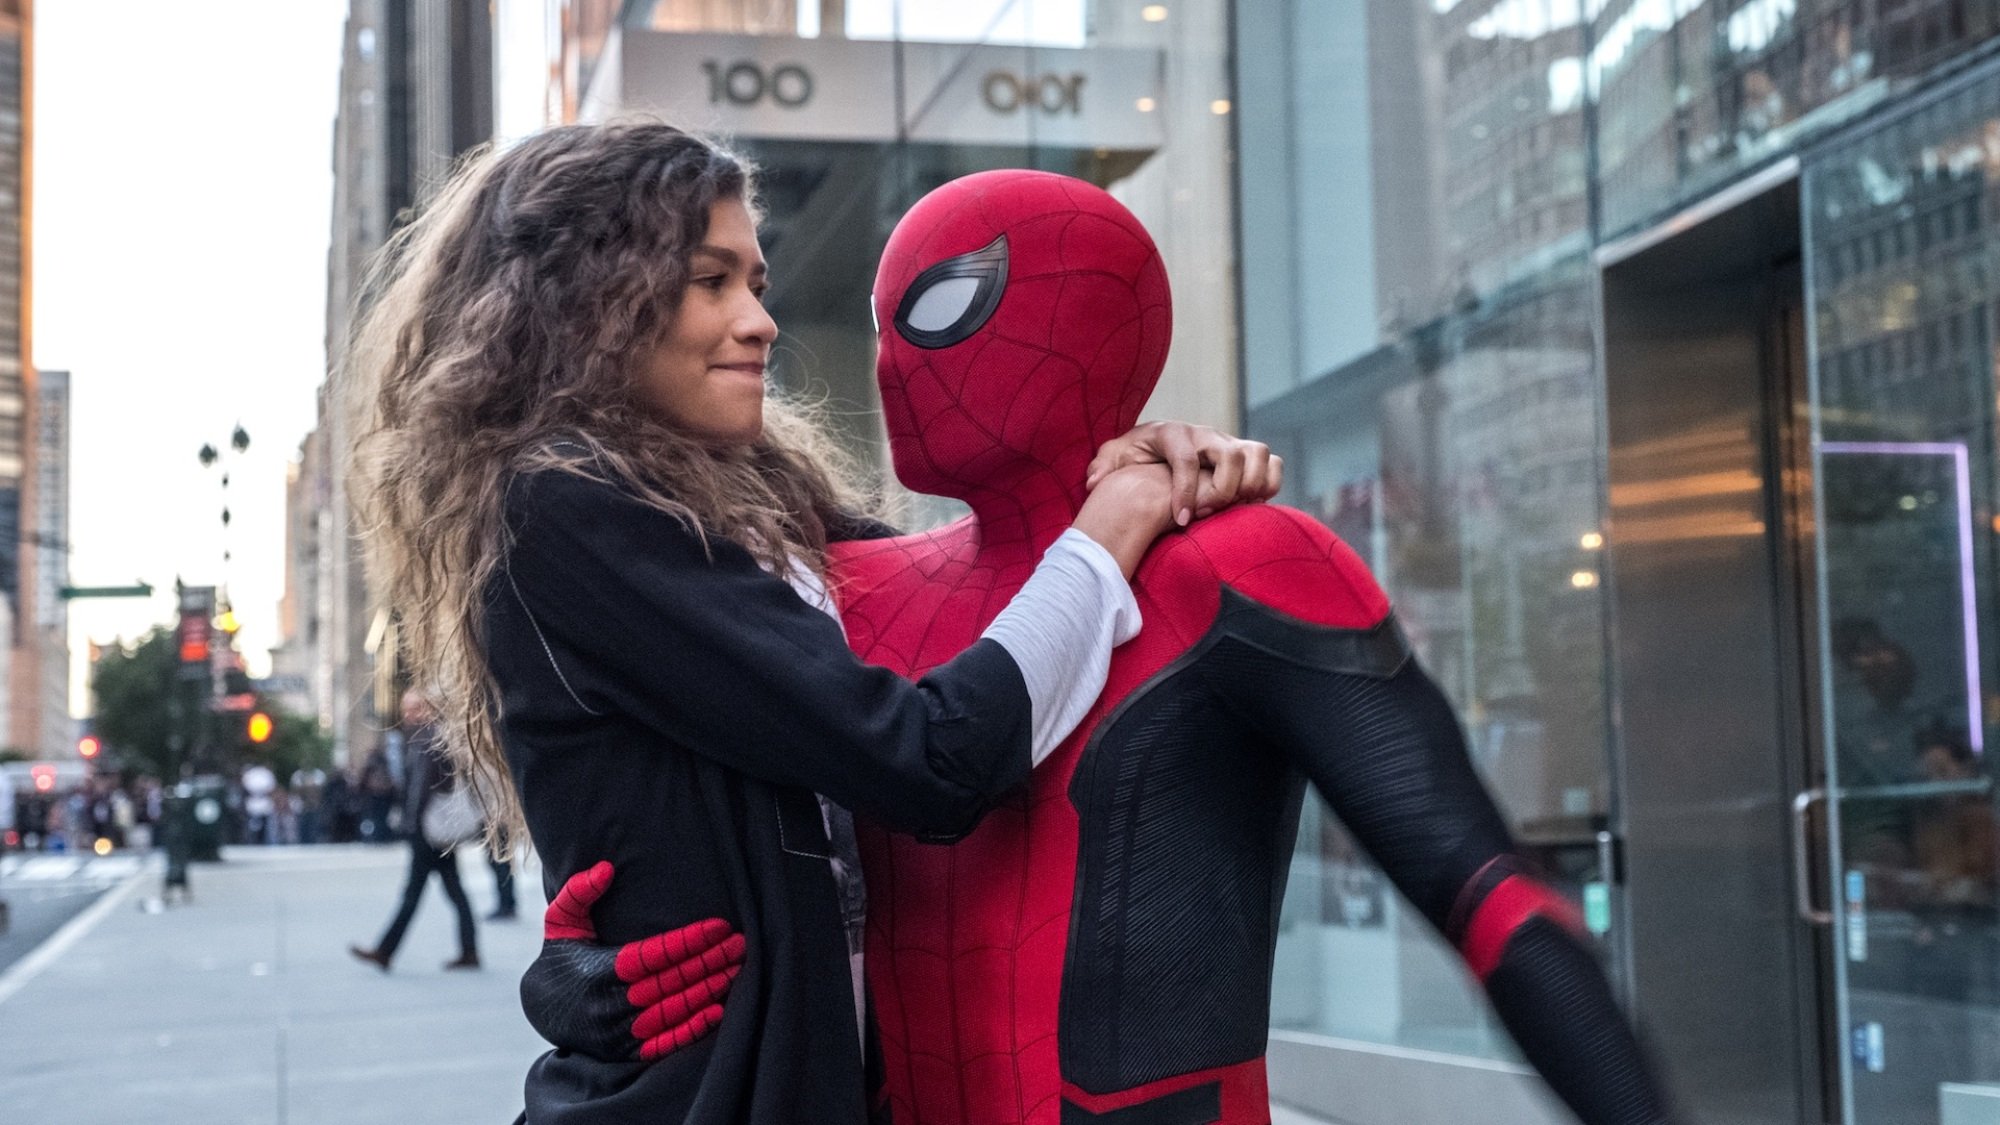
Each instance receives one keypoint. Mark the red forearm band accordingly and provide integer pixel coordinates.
(1505, 910)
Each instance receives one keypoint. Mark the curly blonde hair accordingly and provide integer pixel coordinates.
(513, 310)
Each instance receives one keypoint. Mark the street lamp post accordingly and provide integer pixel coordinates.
(190, 704)
(224, 613)
(239, 441)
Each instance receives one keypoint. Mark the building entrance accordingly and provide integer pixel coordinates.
(1801, 416)
(1712, 623)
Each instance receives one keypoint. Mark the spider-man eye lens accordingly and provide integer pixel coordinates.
(952, 299)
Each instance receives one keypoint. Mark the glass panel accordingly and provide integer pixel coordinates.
(849, 131)
(1418, 305)
(1899, 245)
(1039, 23)
(1042, 23)
(1693, 92)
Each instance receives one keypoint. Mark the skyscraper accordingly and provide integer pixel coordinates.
(415, 92)
(49, 551)
(17, 378)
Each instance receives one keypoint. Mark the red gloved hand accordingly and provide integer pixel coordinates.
(639, 1000)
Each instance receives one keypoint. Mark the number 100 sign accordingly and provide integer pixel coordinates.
(747, 84)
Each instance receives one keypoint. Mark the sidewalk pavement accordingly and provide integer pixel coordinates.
(244, 1006)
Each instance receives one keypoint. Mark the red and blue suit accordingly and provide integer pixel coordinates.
(1099, 947)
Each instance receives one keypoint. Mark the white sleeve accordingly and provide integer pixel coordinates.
(1061, 627)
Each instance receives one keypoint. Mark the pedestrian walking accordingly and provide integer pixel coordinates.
(505, 908)
(260, 805)
(428, 780)
(377, 791)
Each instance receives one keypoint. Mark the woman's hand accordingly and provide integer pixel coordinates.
(1127, 511)
(1239, 471)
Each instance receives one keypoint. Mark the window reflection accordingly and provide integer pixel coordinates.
(1418, 309)
(1900, 244)
(1693, 91)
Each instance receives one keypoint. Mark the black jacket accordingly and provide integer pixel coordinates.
(426, 775)
(674, 708)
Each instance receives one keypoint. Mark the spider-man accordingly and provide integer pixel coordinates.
(1100, 947)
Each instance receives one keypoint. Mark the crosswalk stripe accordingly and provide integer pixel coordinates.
(114, 868)
(43, 867)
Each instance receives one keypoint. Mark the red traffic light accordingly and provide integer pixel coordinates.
(88, 746)
(260, 727)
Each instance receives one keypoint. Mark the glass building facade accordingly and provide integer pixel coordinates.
(1644, 348)
(854, 109)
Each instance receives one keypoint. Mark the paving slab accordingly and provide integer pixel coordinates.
(243, 1005)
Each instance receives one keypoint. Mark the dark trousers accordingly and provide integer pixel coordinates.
(503, 882)
(424, 862)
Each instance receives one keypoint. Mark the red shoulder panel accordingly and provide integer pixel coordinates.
(1274, 555)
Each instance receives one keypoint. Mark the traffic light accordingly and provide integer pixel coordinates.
(259, 728)
(88, 746)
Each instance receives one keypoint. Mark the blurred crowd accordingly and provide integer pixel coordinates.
(315, 806)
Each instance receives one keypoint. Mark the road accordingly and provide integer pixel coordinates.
(44, 891)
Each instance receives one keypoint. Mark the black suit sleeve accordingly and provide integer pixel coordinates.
(1353, 711)
(637, 615)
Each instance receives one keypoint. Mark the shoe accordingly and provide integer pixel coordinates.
(504, 914)
(469, 961)
(373, 956)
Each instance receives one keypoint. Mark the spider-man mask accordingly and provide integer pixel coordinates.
(1023, 319)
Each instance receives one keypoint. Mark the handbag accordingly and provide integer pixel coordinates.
(452, 818)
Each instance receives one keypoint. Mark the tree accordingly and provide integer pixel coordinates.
(134, 686)
(134, 708)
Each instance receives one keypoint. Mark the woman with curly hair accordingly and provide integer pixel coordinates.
(606, 541)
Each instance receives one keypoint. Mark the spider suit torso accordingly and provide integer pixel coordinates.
(1100, 947)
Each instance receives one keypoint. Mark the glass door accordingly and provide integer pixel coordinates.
(1902, 236)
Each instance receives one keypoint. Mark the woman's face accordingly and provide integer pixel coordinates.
(706, 378)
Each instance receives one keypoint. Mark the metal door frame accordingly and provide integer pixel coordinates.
(1790, 506)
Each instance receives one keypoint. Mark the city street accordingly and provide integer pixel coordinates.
(244, 1006)
(44, 891)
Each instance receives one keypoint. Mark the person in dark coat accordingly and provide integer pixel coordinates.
(606, 546)
(427, 776)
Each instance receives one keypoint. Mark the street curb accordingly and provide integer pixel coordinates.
(17, 975)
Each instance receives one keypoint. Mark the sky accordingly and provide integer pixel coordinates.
(182, 202)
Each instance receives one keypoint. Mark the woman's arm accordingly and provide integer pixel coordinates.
(636, 615)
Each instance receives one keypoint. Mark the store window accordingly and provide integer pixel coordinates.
(854, 109)
(1418, 301)
(1900, 245)
(1694, 92)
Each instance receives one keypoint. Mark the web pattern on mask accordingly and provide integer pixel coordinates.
(1010, 416)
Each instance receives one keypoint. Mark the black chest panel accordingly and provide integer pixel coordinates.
(1186, 830)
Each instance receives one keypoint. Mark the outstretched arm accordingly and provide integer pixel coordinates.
(1376, 737)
